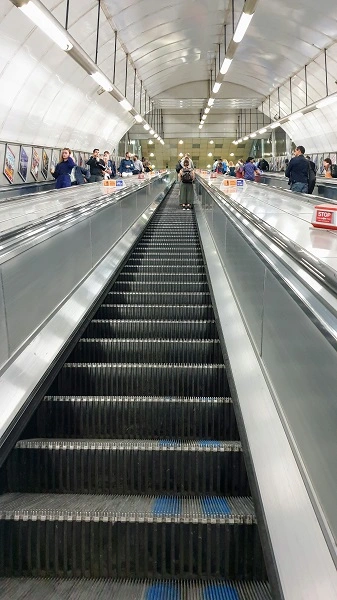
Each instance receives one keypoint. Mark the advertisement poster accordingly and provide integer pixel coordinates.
(45, 164)
(74, 157)
(23, 164)
(80, 159)
(9, 164)
(55, 157)
(35, 164)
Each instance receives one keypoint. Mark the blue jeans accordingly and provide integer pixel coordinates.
(299, 187)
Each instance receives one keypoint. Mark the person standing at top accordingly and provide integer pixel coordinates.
(97, 166)
(249, 169)
(327, 164)
(231, 169)
(186, 177)
(298, 171)
(126, 165)
(263, 164)
(137, 165)
(110, 165)
(63, 169)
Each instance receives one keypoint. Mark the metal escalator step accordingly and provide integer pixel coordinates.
(160, 268)
(127, 467)
(133, 417)
(99, 350)
(160, 286)
(109, 589)
(141, 379)
(157, 312)
(175, 261)
(163, 277)
(175, 298)
(129, 536)
(151, 329)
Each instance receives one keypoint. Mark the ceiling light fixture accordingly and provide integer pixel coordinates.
(274, 125)
(151, 131)
(200, 126)
(138, 118)
(125, 104)
(211, 142)
(263, 130)
(210, 102)
(225, 66)
(180, 142)
(146, 127)
(240, 141)
(210, 154)
(242, 27)
(102, 81)
(207, 109)
(156, 135)
(216, 87)
(246, 138)
(47, 24)
(252, 135)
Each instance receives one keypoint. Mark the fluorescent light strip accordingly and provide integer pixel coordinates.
(46, 24)
(151, 131)
(207, 109)
(225, 66)
(102, 81)
(263, 130)
(216, 87)
(252, 135)
(210, 102)
(125, 104)
(274, 125)
(146, 127)
(242, 27)
(138, 118)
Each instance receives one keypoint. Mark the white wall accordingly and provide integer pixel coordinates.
(46, 98)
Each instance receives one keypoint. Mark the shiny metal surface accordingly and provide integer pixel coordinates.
(18, 381)
(42, 269)
(287, 219)
(304, 564)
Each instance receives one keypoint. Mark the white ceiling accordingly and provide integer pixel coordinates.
(172, 44)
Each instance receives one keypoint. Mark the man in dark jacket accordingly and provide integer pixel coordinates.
(298, 171)
(97, 167)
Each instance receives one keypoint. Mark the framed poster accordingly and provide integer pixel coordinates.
(34, 169)
(55, 157)
(9, 165)
(80, 159)
(45, 164)
(23, 164)
(74, 157)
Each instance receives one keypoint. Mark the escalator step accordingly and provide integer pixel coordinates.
(100, 350)
(136, 417)
(160, 268)
(179, 330)
(176, 261)
(178, 298)
(127, 467)
(202, 312)
(109, 589)
(161, 286)
(129, 536)
(155, 277)
(141, 379)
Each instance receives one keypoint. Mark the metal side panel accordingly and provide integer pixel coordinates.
(4, 349)
(304, 565)
(20, 379)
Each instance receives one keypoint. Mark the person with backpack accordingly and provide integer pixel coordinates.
(298, 171)
(330, 169)
(186, 177)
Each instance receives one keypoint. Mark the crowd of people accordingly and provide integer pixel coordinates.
(97, 167)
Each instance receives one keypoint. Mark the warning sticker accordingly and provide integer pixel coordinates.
(324, 216)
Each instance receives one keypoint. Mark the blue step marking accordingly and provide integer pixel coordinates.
(213, 506)
(169, 443)
(209, 443)
(162, 591)
(167, 506)
(220, 592)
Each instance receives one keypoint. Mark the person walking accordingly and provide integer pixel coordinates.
(137, 165)
(186, 177)
(126, 166)
(63, 169)
(249, 169)
(298, 171)
(327, 164)
(97, 167)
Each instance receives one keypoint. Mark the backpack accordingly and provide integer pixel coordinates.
(334, 171)
(186, 176)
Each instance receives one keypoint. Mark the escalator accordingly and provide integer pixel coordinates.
(129, 482)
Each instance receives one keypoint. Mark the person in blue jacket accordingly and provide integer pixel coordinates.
(127, 165)
(63, 169)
